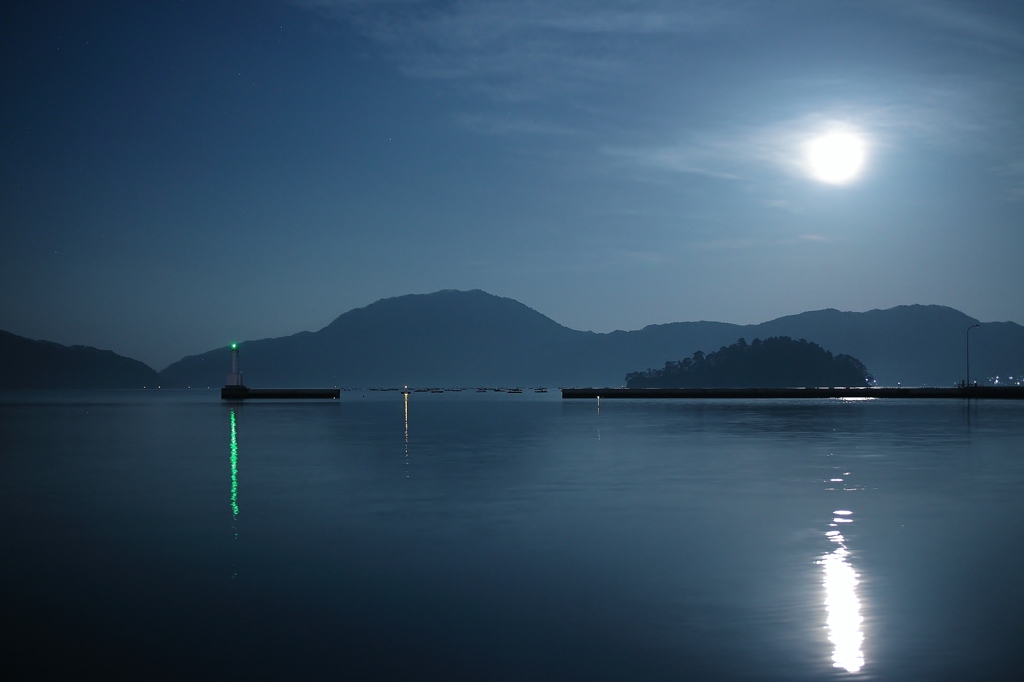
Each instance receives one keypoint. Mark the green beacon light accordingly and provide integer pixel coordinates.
(234, 346)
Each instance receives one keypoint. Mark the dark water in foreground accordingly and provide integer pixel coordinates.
(500, 537)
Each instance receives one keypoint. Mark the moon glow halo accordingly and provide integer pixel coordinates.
(835, 158)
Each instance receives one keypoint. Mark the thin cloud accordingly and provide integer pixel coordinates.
(553, 51)
(753, 243)
(508, 125)
(743, 151)
(523, 48)
(731, 154)
(519, 48)
(965, 21)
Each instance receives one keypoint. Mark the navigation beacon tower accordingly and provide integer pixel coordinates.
(235, 377)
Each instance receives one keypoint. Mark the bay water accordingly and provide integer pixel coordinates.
(468, 536)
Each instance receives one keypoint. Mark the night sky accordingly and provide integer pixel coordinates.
(179, 175)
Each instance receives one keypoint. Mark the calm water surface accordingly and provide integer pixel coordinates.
(166, 535)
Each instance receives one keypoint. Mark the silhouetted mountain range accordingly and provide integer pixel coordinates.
(25, 363)
(472, 338)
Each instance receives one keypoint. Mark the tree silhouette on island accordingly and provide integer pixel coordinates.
(776, 362)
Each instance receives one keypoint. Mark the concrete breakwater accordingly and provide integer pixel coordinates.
(246, 393)
(960, 392)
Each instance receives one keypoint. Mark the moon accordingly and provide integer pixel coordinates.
(836, 158)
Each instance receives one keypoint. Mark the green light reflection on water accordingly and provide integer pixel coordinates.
(234, 468)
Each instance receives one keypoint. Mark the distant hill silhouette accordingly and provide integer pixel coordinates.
(25, 363)
(472, 338)
(776, 362)
(447, 338)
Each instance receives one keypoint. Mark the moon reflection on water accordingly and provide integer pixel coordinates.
(841, 602)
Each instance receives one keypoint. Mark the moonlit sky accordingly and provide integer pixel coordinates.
(178, 175)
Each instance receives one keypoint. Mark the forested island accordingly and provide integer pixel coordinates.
(775, 362)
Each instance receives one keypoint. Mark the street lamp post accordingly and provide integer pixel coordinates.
(969, 352)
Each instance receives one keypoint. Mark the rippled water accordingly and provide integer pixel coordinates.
(506, 537)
